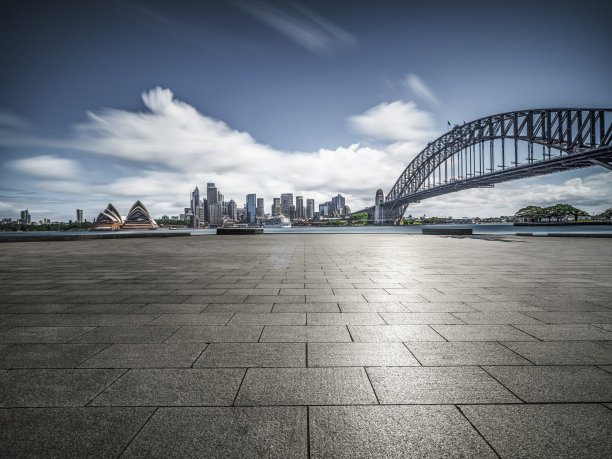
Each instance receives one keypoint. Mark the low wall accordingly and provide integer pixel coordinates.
(86, 236)
(447, 231)
(241, 231)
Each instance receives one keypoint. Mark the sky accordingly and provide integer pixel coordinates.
(113, 101)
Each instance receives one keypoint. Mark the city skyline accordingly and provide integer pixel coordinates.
(317, 97)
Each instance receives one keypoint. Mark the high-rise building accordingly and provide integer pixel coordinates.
(292, 212)
(259, 211)
(325, 208)
(310, 209)
(195, 200)
(211, 193)
(216, 214)
(26, 218)
(276, 209)
(79, 215)
(232, 210)
(250, 205)
(338, 203)
(299, 207)
(286, 201)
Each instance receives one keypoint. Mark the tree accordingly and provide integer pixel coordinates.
(359, 219)
(606, 214)
(560, 211)
(531, 213)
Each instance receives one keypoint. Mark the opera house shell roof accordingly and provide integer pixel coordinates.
(138, 219)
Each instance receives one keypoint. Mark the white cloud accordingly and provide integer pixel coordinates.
(420, 89)
(46, 167)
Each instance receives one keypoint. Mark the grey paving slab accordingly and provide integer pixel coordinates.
(439, 307)
(213, 318)
(305, 334)
(74, 320)
(555, 431)
(217, 334)
(389, 333)
(415, 318)
(497, 305)
(349, 318)
(564, 332)
(47, 355)
(545, 384)
(305, 307)
(208, 299)
(275, 299)
(53, 387)
(563, 352)
(393, 431)
(69, 432)
(371, 307)
(139, 334)
(173, 387)
(229, 432)
(253, 355)
(481, 333)
(251, 308)
(437, 385)
(359, 354)
(286, 318)
(464, 353)
(42, 334)
(161, 308)
(305, 386)
(495, 318)
(146, 356)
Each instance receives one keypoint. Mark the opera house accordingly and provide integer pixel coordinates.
(138, 218)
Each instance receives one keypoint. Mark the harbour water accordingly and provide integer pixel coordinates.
(494, 228)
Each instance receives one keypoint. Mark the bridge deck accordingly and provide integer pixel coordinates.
(306, 345)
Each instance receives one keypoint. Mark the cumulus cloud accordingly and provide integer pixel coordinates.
(300, 24)
(46, 167)
(418, 87)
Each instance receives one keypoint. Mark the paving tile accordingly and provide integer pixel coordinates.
(437, 385)
(545, 384)
(305, 307)
(140, 334)
(146, 356)
(482, 333)
(41, 334)
(504, 306)
(229, 432)
(172, 308)
(47, 355)
(359, 354)
(438, 307)
(305, 386)
(207, 299)
(253, 355)
(275, 299)
(371, 307)
(416, 318)
(493, 318)
(286, 318)
(563, 352)
(349, 318)
(393, 431)
(173, 387)
(69, 432)
(53, 387)
(560, 431)
(567, 317)
(564, 332)
(305, 334)
(464, 353)
(251, 308)
(74, 320)
(213, 318)
(389, 333)
(217, 334)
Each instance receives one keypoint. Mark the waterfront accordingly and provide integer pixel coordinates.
(311, 345)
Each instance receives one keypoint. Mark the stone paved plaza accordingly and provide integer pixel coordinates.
(307, 346)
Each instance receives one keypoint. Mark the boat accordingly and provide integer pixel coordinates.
(277, 222)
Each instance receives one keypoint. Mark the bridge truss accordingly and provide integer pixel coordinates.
(502, 147)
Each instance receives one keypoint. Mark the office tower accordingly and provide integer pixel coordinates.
(276, 208)
(292, 212)
(251, 208)
(232, 210)
(201, 213)
(324, 209)
(338, 202)
(211, 193)
(259, 211)
(195, 200)
(26, 218)
(79, 215)
(286, 201)
(310, 209)
(216, 214)
(299, 207)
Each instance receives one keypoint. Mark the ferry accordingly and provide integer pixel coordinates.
(277, 222)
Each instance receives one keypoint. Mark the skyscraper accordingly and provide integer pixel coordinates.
(26, 218)
(250, 205)
(195, 200)
(286, 201)
(276, 209)
(338, 203)
(216, 214)
(79, 215)
(232, 210)
(310, 208)
(260, 208)
(299, 207)
(211, 193)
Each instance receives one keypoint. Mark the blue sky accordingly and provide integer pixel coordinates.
(117, 101)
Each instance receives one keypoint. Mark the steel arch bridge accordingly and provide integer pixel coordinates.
(499, 148)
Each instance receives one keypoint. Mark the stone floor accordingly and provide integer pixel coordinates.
(307, 346)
